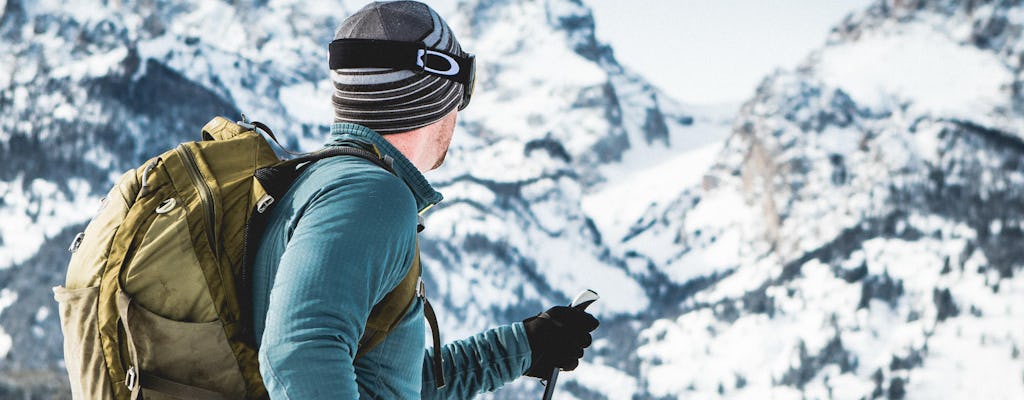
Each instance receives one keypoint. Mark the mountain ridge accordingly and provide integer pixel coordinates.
(880, 202)
(849, 233)
(96, 87)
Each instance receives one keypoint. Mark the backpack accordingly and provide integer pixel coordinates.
(156, 299)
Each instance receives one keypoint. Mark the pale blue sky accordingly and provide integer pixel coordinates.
(707, 51)
(715, 51)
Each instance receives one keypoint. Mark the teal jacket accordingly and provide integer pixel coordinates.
(338, 241)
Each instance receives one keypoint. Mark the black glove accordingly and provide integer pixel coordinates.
(557, 339)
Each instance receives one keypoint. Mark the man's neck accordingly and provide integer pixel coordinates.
(414, 145)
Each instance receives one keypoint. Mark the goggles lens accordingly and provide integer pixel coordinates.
(470, 84)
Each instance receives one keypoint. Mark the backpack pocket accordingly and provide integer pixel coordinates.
(83, 355)
(90, 251)
(164, 274)
(190, 360)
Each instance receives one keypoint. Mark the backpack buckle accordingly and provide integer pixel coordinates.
(131, 378)
(264, 203)
(421, 289)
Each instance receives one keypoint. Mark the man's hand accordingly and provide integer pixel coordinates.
(557, 339)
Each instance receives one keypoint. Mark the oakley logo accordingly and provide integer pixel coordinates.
(453, 66)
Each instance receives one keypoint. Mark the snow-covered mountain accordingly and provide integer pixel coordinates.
(92, 88)
(860, 234)
(857, 235)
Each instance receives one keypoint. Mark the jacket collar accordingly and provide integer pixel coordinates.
(425, 194)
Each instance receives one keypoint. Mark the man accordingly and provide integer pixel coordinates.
(344, 236)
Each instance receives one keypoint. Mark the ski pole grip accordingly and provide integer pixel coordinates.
(584, 299)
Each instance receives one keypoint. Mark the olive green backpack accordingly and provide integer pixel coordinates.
(156, 300)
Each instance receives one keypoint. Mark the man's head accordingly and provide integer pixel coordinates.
(397, 67)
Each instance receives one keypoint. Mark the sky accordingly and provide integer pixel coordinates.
(715, 51)
(707, 52)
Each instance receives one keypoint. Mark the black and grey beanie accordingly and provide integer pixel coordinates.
(390, 100)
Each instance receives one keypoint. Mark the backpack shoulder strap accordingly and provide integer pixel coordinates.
(374, 156)
(385, 315)
(277, 179)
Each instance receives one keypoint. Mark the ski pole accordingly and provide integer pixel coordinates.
(582, 300)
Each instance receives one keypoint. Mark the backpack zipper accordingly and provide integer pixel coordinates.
(205, 194)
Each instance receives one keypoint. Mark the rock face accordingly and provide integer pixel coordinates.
(90, 89)
(857, 234)
(880, 202)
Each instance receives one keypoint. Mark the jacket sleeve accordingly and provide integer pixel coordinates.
(481, 363)
(340, 260)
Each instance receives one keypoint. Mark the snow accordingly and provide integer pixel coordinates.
(973, 357)
(921, 66)
(5, 342)
(653, 178)
(707, 357)
(608, 381)
(32, 216)
(308, 102)
(96, 65)
(42, 313)
(719, 256)
(501, 161)
(563, 261)
(838, 141)
(207, 22)
(65, 112)
(624, 199)
(527, 83)
(670, 216)
(84, 10)
(567, 269)
(159, 48)
(697, 352)
(7, 298)
(927, 144)
(470, 191)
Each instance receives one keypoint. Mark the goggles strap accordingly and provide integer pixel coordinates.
(373, 53)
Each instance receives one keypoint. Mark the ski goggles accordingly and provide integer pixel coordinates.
(374, 53)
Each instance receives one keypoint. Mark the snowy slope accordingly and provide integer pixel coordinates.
(877, 196)
(91, 88)
(852, 231)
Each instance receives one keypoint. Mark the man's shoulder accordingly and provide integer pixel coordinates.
(354, 178)
(349, 168)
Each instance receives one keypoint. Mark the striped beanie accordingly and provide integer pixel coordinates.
(390, 100)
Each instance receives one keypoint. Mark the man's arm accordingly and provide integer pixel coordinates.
(552, 339)
(481, 363)
(341, 259)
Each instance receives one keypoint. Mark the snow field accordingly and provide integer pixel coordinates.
(7, 299)
(697, 352)
(37, 211)
(919, 65)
